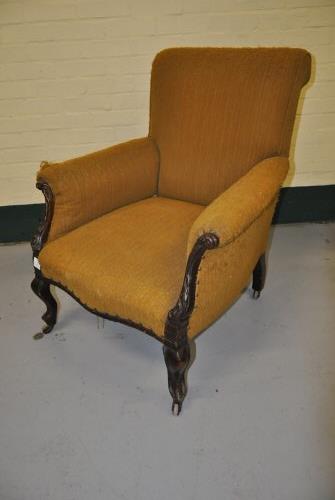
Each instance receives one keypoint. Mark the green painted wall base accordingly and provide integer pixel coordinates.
(296, 204)
(306, 204)
(18, 222)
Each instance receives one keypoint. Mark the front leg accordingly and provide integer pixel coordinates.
(41, 288)
(177, 362)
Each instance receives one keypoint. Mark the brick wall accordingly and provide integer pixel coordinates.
(74, 75)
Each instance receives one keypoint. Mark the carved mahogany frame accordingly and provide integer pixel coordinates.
(42, 232)
(176, 345)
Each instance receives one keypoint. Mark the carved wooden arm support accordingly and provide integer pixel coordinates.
(42, 231)
(178, 317)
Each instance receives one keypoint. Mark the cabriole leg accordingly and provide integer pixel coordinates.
(42, 289)
(259, 274)
(177, 362)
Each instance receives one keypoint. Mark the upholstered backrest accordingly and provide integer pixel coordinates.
(216, 112)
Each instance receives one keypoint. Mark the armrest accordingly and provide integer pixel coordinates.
(239, 206)
(87, 187)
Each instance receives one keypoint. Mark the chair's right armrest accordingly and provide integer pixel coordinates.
(87, 187)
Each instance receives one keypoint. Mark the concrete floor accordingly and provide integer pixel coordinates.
(85, 412)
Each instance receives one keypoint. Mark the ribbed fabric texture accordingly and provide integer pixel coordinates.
(225, 272)
(216, 112)
(89, 186)
(236, 209)
(241, 217)
(220, 127)
(129, 263)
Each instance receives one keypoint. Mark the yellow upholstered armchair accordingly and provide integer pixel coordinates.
(162, 233)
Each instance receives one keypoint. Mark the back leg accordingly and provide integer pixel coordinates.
(258, 277)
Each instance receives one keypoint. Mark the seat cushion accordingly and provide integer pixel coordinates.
(129, 263)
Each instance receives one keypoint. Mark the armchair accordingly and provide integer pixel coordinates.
(162, 233)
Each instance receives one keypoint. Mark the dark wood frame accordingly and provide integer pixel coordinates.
(258, 276)
(42, 232)
(177, 347)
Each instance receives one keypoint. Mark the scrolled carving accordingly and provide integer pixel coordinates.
(42, 231)
(178, 317)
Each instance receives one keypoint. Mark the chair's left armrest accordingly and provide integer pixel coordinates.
(239, 206)
(87, 187)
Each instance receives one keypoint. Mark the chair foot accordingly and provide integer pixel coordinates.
(176, 408)
(42, 289)
(177, 362)
(258, 277)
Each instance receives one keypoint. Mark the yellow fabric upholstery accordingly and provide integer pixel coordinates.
(216, 112)
(89, 186)
(236, 209)
(129, 263)
(126, 218)
(225, 271)
(241, 218)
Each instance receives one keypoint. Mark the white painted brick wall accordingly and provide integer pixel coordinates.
(74, 74)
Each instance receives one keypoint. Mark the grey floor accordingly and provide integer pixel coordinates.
(85, 411)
